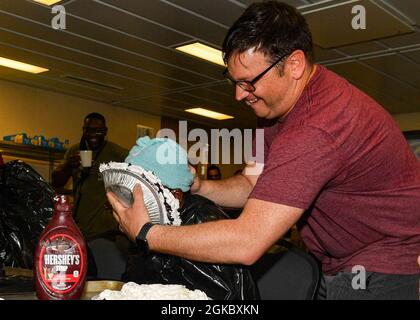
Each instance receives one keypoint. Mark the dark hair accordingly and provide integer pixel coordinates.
(272, 27)
(213, 167)
(95, 115)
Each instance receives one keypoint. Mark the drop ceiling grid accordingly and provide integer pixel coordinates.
(408, 8)
(220, 12)
(364, 76)
(47, 83)
(152, 49)
(70, 48)
(149, 64)
(398, 67)
(63, 60)
(75, 40)
(171, 18)
(161, 61)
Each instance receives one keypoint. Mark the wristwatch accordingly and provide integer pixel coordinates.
(141, 240)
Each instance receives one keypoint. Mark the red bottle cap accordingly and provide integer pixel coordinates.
(62, 203)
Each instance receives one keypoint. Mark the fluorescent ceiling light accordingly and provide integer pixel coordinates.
(47, 2)
(202, 51)
(209, 114)
(20, 66)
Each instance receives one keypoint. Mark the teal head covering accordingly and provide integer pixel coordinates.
(165, 158)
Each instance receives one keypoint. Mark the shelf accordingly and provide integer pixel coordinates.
(30, 152)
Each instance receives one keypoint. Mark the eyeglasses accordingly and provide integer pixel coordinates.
(94, 130)
(249, 85)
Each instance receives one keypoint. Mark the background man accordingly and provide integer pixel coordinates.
(91, 212)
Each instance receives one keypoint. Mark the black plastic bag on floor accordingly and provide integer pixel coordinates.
(26, 206)
(218, 281)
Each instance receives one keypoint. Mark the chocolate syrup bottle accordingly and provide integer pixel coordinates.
(60, 256)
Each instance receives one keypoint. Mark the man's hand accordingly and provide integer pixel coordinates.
(418, 260)
(73, 161)
(130, 219)
(61, 175)
(196, 185)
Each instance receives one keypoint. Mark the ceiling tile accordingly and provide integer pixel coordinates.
(219, 11)
(361, 48)
(410, 8)
(173, 18)
(402, 98)
(398, 67)
(402, 40)
(332, 27)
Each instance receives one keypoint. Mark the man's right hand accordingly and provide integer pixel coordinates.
(63, 172)
(73, 161)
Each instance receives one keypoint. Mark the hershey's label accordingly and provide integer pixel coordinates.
(61, 263)
(61, 259)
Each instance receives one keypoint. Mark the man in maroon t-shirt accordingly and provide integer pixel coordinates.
(330, 152)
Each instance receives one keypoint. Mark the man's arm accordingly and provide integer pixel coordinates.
(231, 192)
(243, 240)
(63, 172)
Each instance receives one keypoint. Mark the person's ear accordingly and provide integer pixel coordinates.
(297, 64)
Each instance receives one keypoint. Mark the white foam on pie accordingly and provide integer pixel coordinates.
(134, 291)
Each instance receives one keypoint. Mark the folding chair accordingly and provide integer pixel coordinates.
(290, 274)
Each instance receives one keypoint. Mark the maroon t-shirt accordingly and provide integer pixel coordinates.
(340, 156)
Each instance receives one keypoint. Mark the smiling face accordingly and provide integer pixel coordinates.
(275, 94)
(94, 132)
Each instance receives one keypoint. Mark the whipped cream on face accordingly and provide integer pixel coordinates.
(134, 291)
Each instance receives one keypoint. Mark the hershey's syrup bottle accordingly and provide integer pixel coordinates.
(61, 256)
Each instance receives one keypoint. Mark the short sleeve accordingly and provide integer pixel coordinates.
(300, 163)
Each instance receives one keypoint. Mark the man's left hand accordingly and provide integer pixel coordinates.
(130, 219)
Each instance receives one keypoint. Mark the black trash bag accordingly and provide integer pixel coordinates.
(26, 207)
(218, 281)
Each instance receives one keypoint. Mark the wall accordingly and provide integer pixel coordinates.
(41, 112)
(38, 111)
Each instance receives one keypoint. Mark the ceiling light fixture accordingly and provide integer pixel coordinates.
(209, 113)
(203, 51)
(20, 66)
(48, 2)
